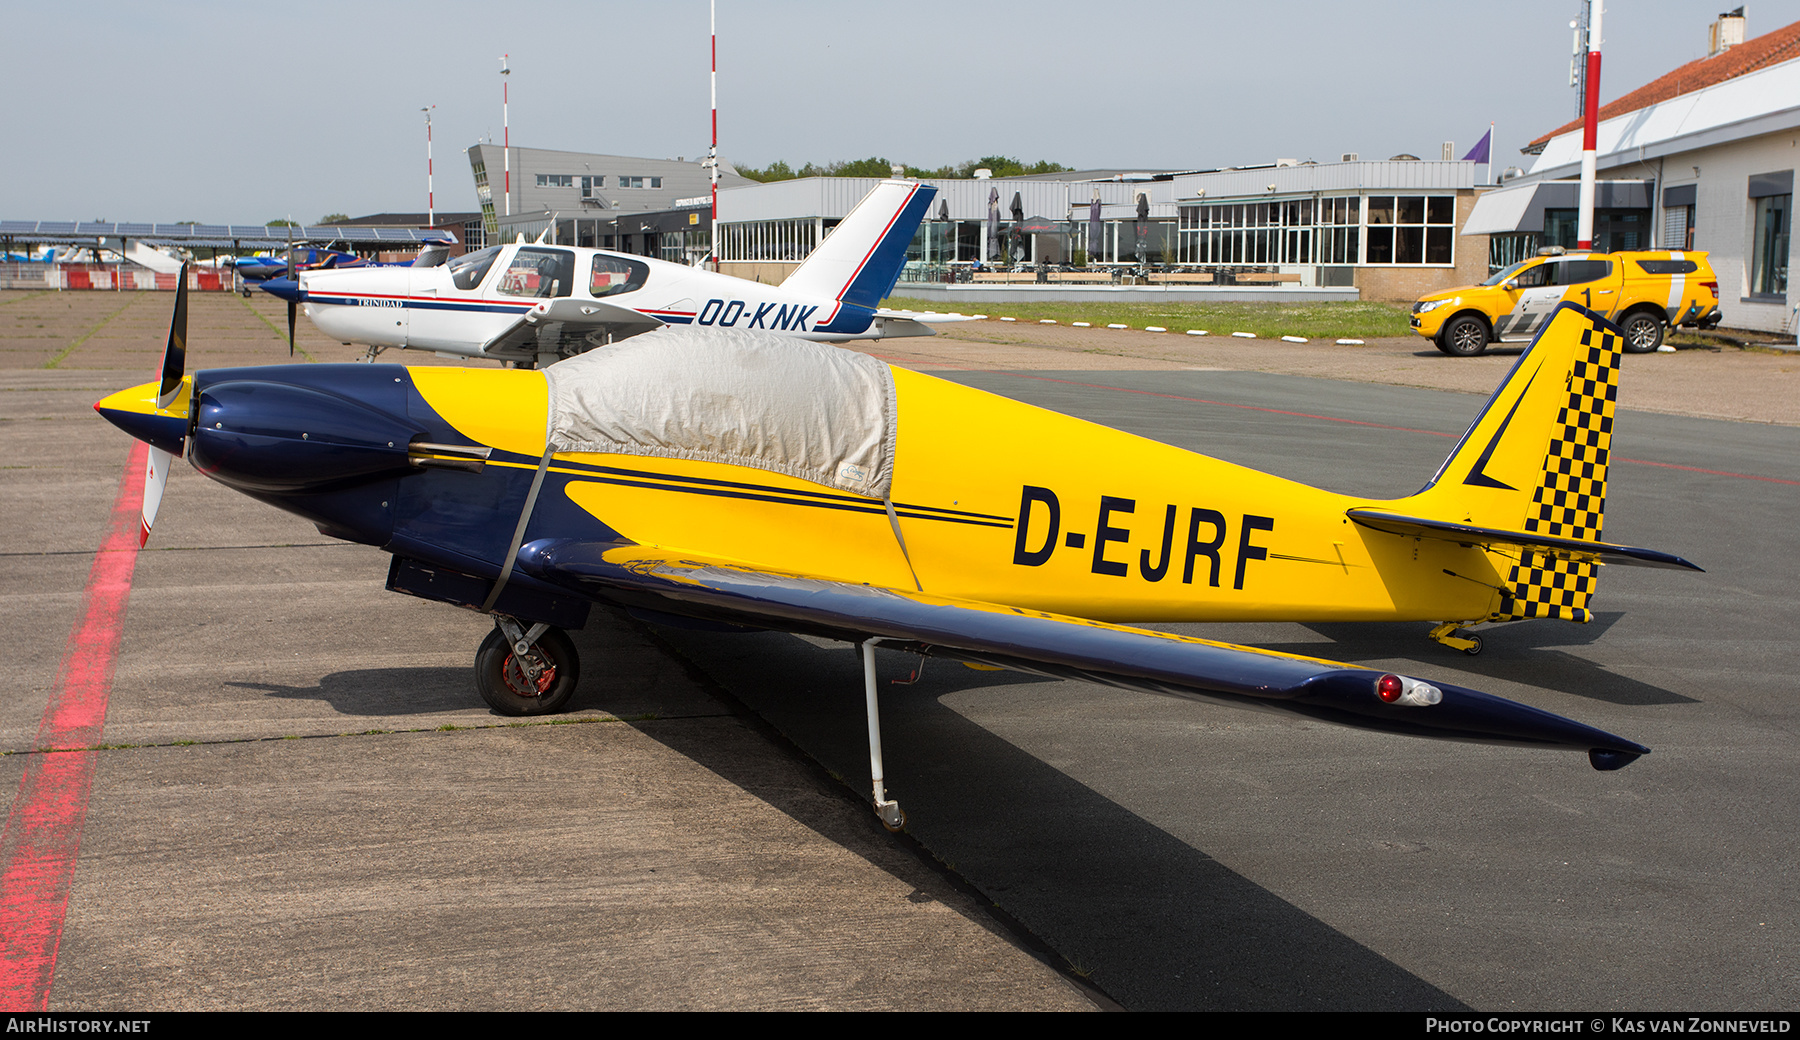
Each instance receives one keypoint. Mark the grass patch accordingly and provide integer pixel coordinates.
(70, 349)
(276, 329)
(1354, 320)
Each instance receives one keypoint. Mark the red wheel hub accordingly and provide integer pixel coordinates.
(523, 685)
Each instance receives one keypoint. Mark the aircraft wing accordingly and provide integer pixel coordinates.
(1051, 644)
(895, 324)
(567, 326)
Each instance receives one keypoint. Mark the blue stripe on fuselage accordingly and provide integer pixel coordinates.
(850, 320)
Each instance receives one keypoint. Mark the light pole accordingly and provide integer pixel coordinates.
(506, 130)
(430, 198)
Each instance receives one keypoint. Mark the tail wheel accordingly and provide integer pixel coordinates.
(1466, 336)
(508, 684)
(1643, 333)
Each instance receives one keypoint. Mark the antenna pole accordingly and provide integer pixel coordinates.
(430, 196)
(1590, 122)
(712, 158)
(506, 129)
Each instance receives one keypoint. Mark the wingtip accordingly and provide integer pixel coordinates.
(1608, 759)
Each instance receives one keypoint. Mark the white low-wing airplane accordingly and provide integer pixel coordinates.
(533, 303)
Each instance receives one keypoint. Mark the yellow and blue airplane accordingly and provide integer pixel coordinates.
(738, 478)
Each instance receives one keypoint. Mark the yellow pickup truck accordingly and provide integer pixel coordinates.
(1641, 292)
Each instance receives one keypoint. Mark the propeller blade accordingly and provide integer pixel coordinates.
(293, 309)
(154, 480)
(174, 362)
(174, 366)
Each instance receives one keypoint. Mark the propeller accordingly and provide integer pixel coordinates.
(168, 391)
(294, 304)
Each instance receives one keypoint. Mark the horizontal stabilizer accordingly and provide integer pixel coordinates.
(924, 317)
(1469, 534)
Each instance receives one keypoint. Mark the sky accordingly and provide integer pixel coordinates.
(245, 113)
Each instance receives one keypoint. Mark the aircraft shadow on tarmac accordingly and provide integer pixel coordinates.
(1522, 652)
(1151, 920)
(382, 691)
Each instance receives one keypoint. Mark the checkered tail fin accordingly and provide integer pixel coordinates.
(1535, 463)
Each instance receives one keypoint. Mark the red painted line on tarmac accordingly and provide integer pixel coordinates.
(1353, 422)
(1712, 472)
(43, 832)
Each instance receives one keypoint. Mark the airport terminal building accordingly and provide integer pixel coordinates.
(1390, 229)
(649, 207)
(1702, 158)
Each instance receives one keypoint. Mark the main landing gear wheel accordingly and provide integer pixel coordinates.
(541, 683)
(1643, 333)
(1464, 337)
(1451, 634)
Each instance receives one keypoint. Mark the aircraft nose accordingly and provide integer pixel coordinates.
(284, 288)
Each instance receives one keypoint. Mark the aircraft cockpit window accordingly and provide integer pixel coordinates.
(539, 272)
(613, 275)
(468, 270)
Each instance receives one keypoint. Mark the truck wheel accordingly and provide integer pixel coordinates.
(1643, 333)
(1466, 336)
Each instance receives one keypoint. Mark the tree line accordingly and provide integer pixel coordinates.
(875, 166)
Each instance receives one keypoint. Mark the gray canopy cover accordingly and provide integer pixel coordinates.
(737, 396)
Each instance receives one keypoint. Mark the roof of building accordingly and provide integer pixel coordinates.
(1768, 49)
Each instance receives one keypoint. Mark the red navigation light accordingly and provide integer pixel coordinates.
(1389, 688)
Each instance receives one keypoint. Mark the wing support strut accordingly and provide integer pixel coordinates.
(889, 811)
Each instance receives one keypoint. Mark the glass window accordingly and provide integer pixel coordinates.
(1532, 277)
(1513, 271)
(539, 272)
(1576, 272)
(1769, 254)
(1440, 245)
(467, 270)
(1381, 245)
(612, 276)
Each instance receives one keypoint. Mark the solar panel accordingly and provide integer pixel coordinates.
(135, 230)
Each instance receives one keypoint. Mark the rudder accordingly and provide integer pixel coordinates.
(1535, 461)
(859, 261)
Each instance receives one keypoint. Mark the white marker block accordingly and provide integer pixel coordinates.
(1009, 319)
(1154, 328)
(1118, 326)
(1081, 324)
(1350, 342)
(1244, 335)
(1293, 339)
(1196, 332)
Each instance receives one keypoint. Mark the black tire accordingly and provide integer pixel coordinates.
(506, 689)
(1643, 332)
(1466, 336)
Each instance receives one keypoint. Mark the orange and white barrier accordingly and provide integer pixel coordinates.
(112, 277)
